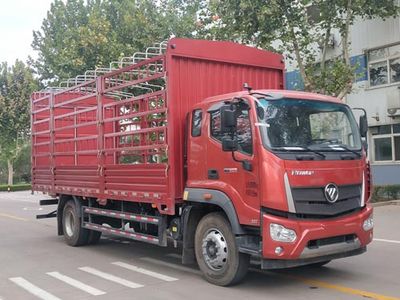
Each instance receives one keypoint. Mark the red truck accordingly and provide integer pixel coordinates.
(168, 147)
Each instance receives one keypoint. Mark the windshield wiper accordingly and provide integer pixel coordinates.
(302, 149)
(340, 147)
(316, 152)
(345, 148)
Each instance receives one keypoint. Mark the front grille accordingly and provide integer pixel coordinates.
(349, 238)
(294, 216)
(312, 201)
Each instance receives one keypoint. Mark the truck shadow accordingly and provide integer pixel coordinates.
(120, 249)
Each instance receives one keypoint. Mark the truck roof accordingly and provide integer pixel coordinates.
(284, 93)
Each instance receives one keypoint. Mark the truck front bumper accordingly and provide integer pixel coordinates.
(317, 240)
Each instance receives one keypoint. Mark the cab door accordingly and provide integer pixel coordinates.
(225, 172)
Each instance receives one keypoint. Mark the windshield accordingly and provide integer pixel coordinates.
(297, 124)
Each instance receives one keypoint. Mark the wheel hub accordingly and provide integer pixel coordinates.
(69, 224)
(215, 250)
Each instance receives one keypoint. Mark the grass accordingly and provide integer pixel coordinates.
(16, 187)
(385, 193)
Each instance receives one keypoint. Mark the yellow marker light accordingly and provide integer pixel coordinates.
(185, 195)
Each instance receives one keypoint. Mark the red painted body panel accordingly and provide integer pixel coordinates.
(267, 188)
(89, 142)
(313, 230)
(197, 70)
(273, 170)
(242, 187)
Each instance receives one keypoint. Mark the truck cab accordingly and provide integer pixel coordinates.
(294, 168)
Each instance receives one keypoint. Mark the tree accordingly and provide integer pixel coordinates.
(79, 35)
(16, 85)
(291, 28)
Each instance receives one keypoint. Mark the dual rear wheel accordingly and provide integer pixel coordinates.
(74, 234)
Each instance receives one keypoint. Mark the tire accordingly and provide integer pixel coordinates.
(74, 234)
(94, 237)
(217, 253)
(319, 264)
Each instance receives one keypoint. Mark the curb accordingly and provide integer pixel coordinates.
(384, 203)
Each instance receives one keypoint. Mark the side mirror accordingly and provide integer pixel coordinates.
(229, 144)
(228, 118)
(365, 145)
(363, 126)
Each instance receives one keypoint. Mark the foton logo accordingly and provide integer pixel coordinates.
(302, 173)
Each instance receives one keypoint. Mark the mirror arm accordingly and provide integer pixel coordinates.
(245, 163)
(360, 108)
(234, 157)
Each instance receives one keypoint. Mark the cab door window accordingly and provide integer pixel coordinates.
(196, 122)
(243, 133)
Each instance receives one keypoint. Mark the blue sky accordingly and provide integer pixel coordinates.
(18, 18)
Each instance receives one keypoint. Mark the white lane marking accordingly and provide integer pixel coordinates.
(107, 276)
(387, 241)
(144, 271)
(75, 283)
(32, 208)
(170, 265)
(33, 289)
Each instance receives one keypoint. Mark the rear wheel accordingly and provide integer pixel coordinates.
(74, 234)
(94, 237)
(217, 253)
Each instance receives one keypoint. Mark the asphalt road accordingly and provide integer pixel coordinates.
(34, 260)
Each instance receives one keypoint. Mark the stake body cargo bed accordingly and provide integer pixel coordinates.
(121, 135)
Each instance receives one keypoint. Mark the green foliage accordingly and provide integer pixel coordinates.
(301, 30)
(385, 192)
(332, 78)
(15, 187)
(79, 35)
(16, 85)
(22, 166)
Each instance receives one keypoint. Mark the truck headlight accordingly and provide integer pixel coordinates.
(280, 233)
(368, 223)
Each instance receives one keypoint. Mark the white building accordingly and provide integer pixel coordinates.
(375, 46)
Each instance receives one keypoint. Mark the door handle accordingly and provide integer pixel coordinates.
(213, 174)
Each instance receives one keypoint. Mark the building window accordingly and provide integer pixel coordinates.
(386, 143)
(384, 65)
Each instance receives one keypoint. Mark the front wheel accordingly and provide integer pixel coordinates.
(217, 253)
